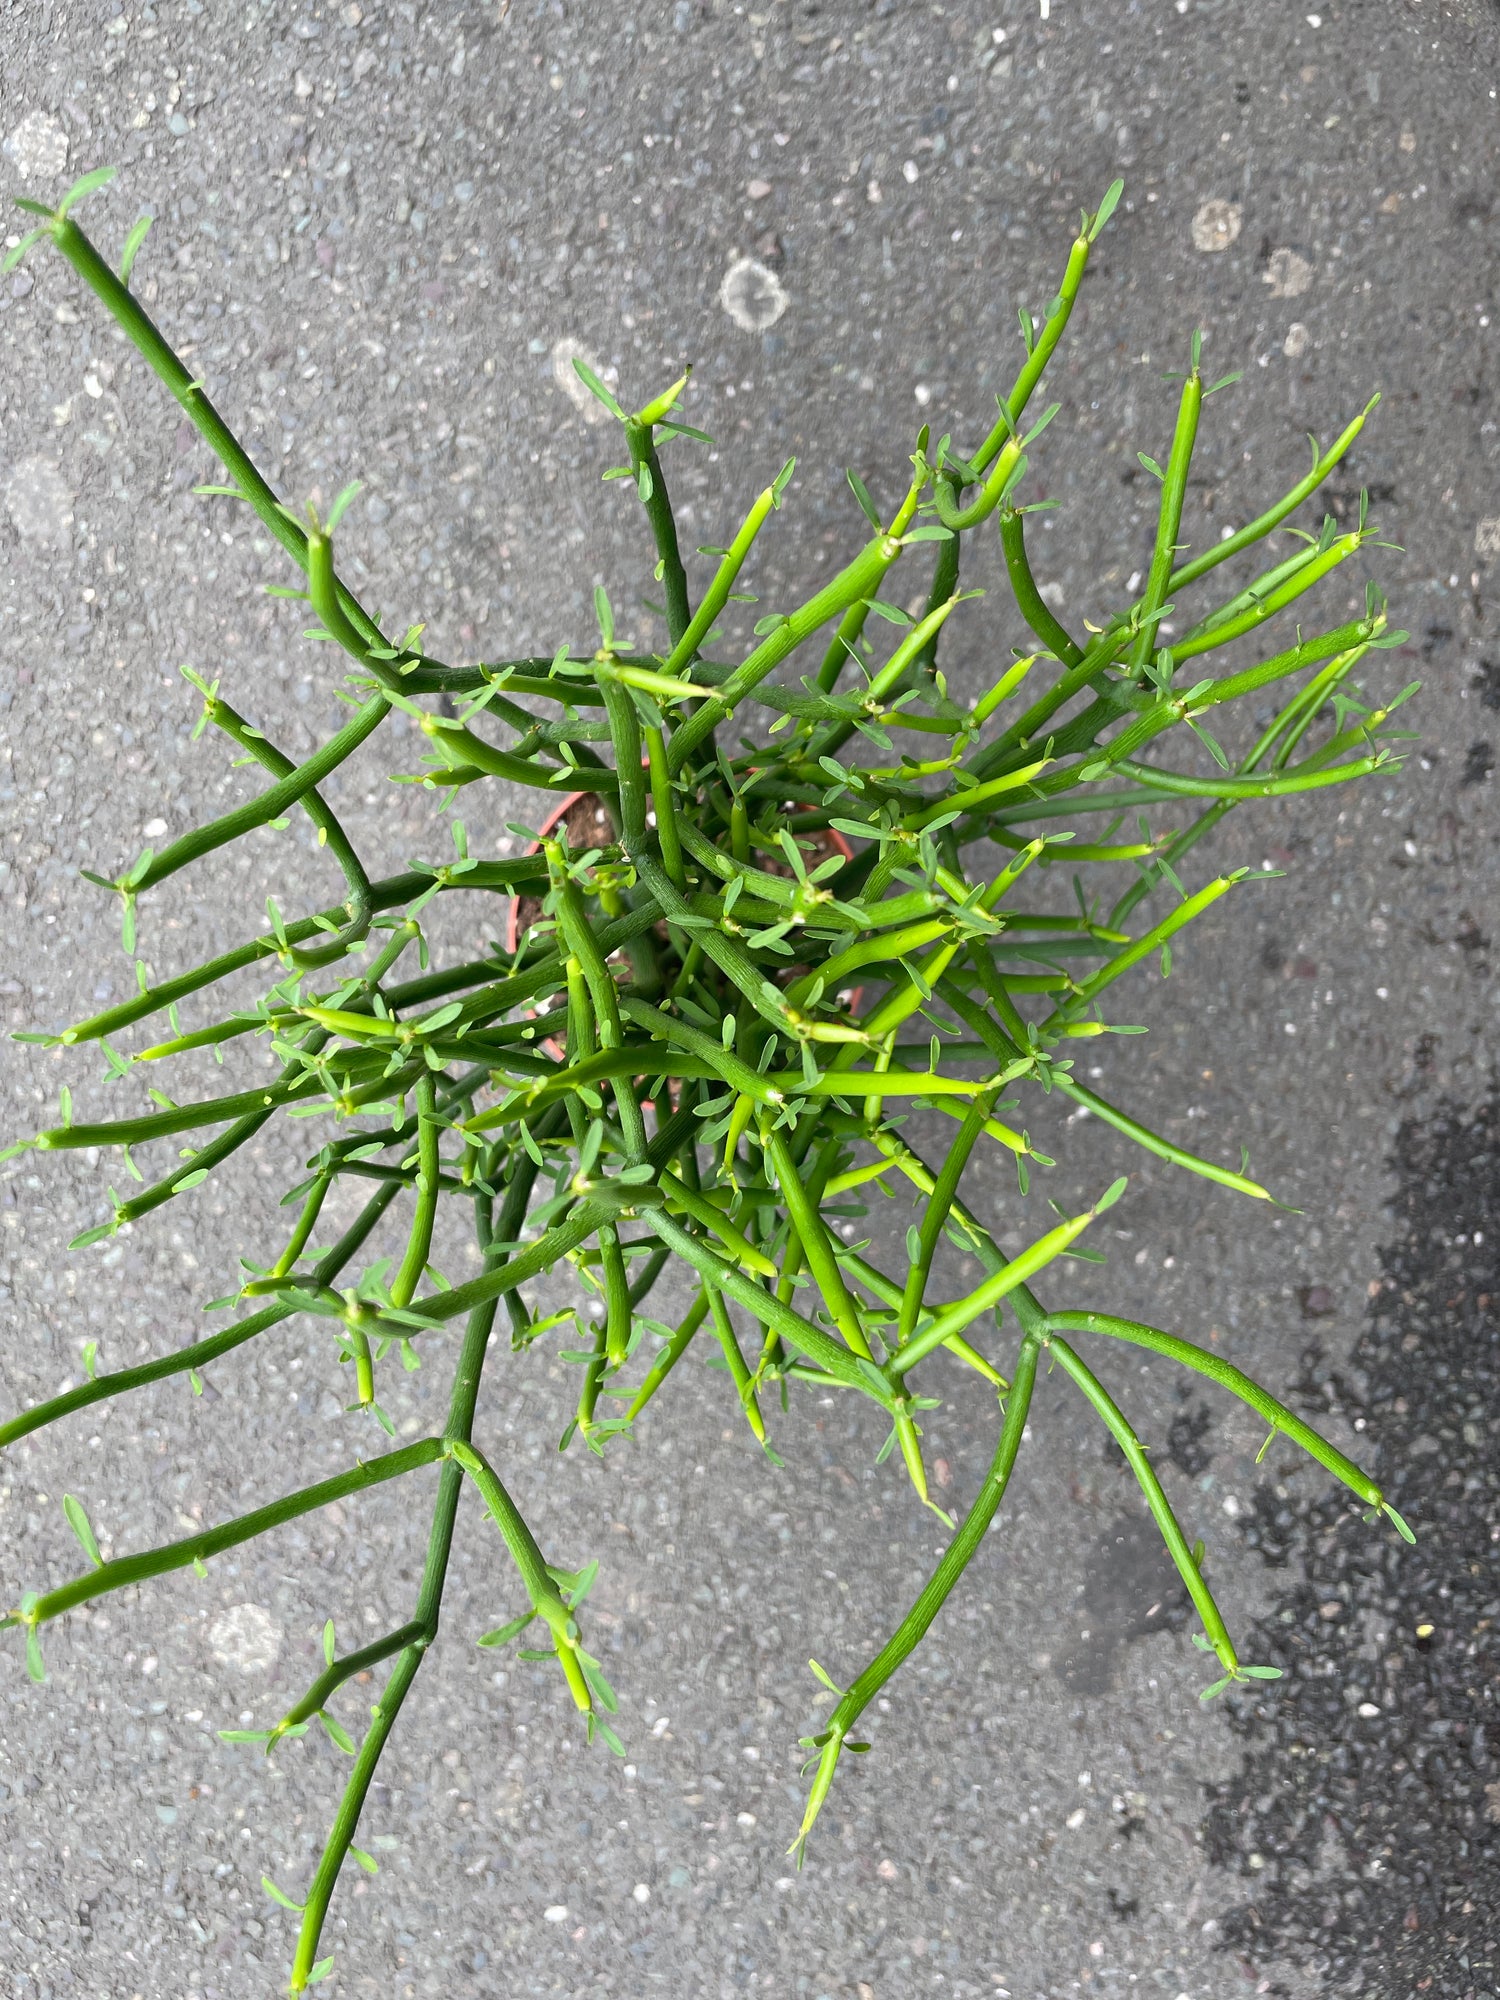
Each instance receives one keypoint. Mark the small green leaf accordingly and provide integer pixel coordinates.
(866, 505)
(244, 1735)
(328, 1646)
(34, 1663)
(600, 1728)
(1111, 1195)
(826, 1678)
(133, 244)
(366, 1861)
(1396, 1521)
(1105, 209)
(81, 189)
(595, 387)
(320, 1971)
(337, 1734)
(1262, 1673)
(336, 511)
(14, 255)
(891, 613)
(503, 1634)
(279, 1895)
(78, 1521)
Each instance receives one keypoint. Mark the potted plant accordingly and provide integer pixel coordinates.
(812, 897)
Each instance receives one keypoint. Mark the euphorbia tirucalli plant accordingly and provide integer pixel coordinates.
(719, 1027)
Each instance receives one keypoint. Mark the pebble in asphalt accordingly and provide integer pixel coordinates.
(376, 228)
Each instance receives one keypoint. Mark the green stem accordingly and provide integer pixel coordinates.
(860, 580)
(125, 1572)
(1030, 602)
(934, 1594)
(300, 780)
(1169, 515)
(640, 441)
(463, 1397)
(1161, 1511)
(1237, 1382)
(419, 1242)
(333, 1678)
(330, 834)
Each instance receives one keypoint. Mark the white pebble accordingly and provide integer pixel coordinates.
(1287, 273)
(38, 500)
(38, 147)
(245, 1636)
(753, 296)
(1216, 224)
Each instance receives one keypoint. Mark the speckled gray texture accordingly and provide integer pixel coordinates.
(376, 223)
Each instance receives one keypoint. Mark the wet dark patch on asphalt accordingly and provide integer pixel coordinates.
(1130, 1590)
(1365, 1823)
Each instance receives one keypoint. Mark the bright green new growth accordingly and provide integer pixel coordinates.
(709, 1039)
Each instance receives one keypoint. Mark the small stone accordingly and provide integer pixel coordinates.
(38, 500)
(758, 190)
(1317, 1302)
(1295, 344)
(1288, 273)
(38, 147)
(753, 296)
(1216, 225)
(555, 1913)
(245, 1636)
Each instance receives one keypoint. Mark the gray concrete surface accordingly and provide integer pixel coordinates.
(375, 225)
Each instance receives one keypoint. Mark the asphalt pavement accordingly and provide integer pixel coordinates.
(382, 232)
